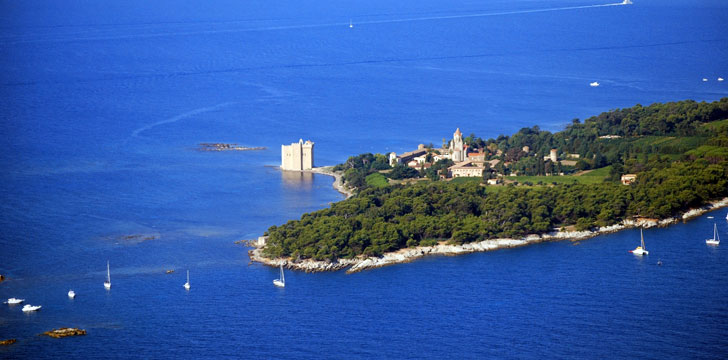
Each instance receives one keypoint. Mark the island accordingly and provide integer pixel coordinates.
(64, 332)
(640, 166)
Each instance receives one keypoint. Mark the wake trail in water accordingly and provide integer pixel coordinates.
(324, 25)
(180, 117)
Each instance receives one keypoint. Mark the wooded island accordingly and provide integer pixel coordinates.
(678, 152)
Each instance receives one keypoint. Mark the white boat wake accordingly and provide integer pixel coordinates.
(180, 117)
(348, 24)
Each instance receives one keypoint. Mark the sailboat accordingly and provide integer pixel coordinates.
(187, 284)
(716, 239)
(281, 282)
(71, 294)
(641, 250)
(351, 25)
(107, 283)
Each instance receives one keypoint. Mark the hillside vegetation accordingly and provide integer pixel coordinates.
(678, 150)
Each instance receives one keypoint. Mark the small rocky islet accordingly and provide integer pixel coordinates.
(64, 332)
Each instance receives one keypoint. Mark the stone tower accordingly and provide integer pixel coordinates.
(457, 148)
(297, 156)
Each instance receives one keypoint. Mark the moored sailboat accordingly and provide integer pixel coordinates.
(716, 239)
(107, 283)
(280, 282)
(187, 284)
(641, 250)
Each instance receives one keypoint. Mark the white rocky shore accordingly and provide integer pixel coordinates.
(410, 254)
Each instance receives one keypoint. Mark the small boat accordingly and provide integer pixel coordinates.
(726, 217)
(107, 283)
(187, 284)
(169, 271)
(280, 282)
(29, 308)
(720, 79)
(641, 250)
(659, 262)
(351, 25)
(716, 239)
(626, 2)
(594, 84)
(710, 217)
(704, 79)
(71, 294)
(14, 301)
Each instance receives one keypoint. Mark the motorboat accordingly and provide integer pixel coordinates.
(720, 79)
(626, 2)
(14, 301)
(29, 308)
(594, 84)
(641, 250)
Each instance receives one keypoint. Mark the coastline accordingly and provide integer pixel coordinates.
(338, 181)
(410, 254)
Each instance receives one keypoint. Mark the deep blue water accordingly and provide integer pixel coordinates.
(103, 103)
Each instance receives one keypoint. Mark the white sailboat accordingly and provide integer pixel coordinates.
(71, 294)
(187, 284)
(351, 25)
(641, 250)
(29, 308)
(716, 239)
(107, 283)
(281, 282)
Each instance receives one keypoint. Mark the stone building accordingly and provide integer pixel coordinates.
(466, 169)
(457, 147)
(297, 156)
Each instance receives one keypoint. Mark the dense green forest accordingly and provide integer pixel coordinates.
(679, 151)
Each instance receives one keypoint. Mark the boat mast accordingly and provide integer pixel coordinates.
(642, 239)
(108, 272)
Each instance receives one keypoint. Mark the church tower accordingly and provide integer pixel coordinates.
(457, 148)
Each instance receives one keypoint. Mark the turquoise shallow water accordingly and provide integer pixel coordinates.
(102, 105)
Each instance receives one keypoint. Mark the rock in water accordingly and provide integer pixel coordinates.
(63, 332)
(8, 342)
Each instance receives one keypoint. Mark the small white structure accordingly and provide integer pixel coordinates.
(297, 156)
(628, 179)
(553, 155)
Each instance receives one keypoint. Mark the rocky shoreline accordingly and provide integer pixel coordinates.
(410, 254)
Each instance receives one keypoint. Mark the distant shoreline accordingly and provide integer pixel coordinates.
(410, 254)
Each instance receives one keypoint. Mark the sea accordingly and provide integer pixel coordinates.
(103, 105)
